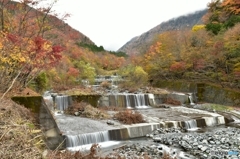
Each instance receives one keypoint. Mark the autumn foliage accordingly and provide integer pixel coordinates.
(129, 117)
(34, 39)
(209, 52)
(24, 52)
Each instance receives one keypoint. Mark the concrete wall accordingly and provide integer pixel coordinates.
(153, 99)
(205, 92)
(52, 135)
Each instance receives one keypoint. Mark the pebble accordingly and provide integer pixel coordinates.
(187, 145)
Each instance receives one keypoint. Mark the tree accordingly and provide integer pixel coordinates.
(222, 15)
(134, 76)
(86, 71)
(161, 55)
(232, 7)
(24, 52)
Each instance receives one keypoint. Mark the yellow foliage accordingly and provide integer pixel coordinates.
(198, 27)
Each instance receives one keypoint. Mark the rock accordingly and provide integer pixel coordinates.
(157, 139)
(222, 140)
(200, 146)
(195, 144)
(109, 122)
(217, 142)
(205, 141)
(76, 113)
(160, 148)
(212, 142)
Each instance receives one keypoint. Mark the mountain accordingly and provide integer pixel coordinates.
(140, 44)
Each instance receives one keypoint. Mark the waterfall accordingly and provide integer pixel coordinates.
(191, 124)
(190, 97)
(48, 98)
(137, 101)
(62, 102)
(127, 100)
(84, 139)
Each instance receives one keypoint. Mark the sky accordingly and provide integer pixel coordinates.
(112, 23)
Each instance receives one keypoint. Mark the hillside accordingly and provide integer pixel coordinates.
(140, 44)
(48, 53)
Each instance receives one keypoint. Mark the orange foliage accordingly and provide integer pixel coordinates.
(129, 117)
(231, 6)
(178, 66)
(73, 72)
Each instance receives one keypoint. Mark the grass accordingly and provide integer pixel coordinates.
(20, 137)
(216, 107)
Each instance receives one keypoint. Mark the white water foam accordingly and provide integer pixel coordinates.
(84, 139)
(87, 147)
(191, 125)
(63, 102)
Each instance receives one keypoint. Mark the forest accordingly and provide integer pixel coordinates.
(209, 52)
(39, 50)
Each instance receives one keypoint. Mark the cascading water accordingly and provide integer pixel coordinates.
(129, 100)
(190, 97)
(191, 124)
(62, 102)
(84, 139)
(48, 98)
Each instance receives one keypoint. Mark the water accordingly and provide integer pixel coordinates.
(131, 101)
(63, 102)
(191, 125)
(105, 146)
(191, 99)
(85, 139)
(128, 100)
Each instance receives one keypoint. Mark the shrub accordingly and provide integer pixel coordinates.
(134, 77)
(93, 154)
(41, 82)
(86, 110)
(129, 117)
(172, 101)
(106, 84)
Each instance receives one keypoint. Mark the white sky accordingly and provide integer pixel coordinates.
(112, 23)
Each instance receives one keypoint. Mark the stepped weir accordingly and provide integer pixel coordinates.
(81, 131)
(126, 100)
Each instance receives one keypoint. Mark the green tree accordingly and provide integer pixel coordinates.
(41, 82)
(134, 77)
(86, 71)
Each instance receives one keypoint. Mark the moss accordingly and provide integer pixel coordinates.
(31, 102)
(119, 134)
(179, 85)
(200, 91)
(217, 107)
(91, 99)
